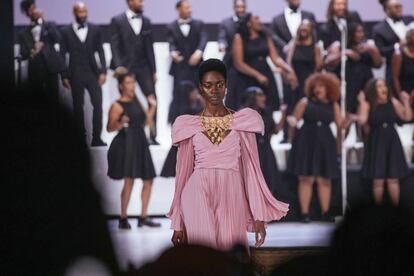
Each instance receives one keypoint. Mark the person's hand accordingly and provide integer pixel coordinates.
(155, 78)
(178, 238)
(404, 97)
(222, 48)
(124, 119)
(361, 97)
(195, 58)
(151, 100)
(403, 42)
(260, 232)
(292, 121)
(176, 56)
(66, 83)
(293, 80)
(262, 80)
(38, 47)
(101, 79)
(353, 55)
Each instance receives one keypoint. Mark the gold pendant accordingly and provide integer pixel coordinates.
(216, 128)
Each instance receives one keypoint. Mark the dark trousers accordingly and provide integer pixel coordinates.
(145, 80)
(43, 85)
(89, 81)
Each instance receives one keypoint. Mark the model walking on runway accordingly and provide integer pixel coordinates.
(220, 189)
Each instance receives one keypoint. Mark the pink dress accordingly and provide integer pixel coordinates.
(220, 190)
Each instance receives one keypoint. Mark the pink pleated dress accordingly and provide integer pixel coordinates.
(220, 190)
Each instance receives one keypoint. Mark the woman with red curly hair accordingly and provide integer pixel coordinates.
(313, 156)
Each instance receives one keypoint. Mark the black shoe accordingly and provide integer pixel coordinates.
(147, 222)
(98, 143)
(305, 218)
(153, 142)
(326, 217)
(124, 224)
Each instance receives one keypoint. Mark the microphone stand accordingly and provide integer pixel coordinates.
(344, 42)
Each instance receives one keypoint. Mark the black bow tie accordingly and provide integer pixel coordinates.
(136, 16)
(396, 20)
(34, 24)
(293, 10)
(81, 26)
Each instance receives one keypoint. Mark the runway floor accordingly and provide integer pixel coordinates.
(140, 245)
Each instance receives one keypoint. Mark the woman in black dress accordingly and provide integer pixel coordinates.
(193, 105)
(255, 98)
(251, 47)
(384, 158)
(128, 155)
(313, 155)
(304, 55)
(403, 67)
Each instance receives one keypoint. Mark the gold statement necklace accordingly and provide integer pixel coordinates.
(216, 127)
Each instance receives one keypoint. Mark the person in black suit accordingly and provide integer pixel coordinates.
(81, 40)
(390, 33)
(187, 39)
(227, 29)
(37, 45)
(338, 17)
(132, 48)
(286, 24)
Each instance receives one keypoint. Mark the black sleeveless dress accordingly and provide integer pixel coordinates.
(358, 73)
(303, 63)
(128, 154)
(384, 156)
(314, 146)
(407, 73)
(267, 157)
(255, 53)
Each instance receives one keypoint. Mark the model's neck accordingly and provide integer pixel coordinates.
(215, 110)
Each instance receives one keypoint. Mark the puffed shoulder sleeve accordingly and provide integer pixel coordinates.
(184, 127)
(248, 120)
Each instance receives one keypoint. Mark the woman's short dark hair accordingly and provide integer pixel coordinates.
(210, 65)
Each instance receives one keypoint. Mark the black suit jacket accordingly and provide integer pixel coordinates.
(122, 42)
(280, 28)
(48, 58)
(385, 38)
(227, 29)
(73, 46)
(330, 31)
(196, 40)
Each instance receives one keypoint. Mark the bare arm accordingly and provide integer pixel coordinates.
(297, 113)
(276, 59)
(114, 118)
(375, 55)
(396, 70)
(339, 119)
(403, 108)
(318, 59)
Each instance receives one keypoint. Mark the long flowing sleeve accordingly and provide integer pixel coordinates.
(263, 206)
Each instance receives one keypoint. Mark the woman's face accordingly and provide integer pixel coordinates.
(340, 8)
(255, 23)
(359, 35)
(261, 100)
(382, 90)
(213, 88)
(305, 30)
(127, 87)
(320, 91)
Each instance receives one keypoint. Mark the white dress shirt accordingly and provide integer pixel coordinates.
(37, 30)
(81, 33)
(340, 22)
(135, 22)
(293, 20)
(399, 27)
(185, 26)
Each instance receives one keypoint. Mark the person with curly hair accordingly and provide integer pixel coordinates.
(314, 156)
